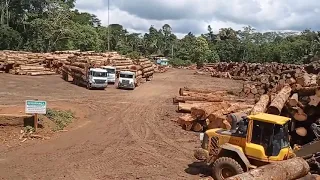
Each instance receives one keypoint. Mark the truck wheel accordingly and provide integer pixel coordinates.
(88, 86)
(225, 167)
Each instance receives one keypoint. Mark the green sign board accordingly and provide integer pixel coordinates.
(36, 107)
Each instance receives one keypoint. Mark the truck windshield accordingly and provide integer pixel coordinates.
(126, 76)
(99, 74)
(111, 71)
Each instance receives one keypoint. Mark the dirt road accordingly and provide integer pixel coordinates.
(124, 135)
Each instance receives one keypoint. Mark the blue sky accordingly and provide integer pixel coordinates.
(192, 15)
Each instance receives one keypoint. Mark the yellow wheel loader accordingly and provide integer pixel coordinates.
(252, 141)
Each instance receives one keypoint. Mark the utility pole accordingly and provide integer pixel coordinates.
(172, 51)
(108, 27)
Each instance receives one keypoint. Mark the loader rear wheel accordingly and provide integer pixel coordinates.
(225, 167)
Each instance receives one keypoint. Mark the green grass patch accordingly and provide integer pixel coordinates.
(60, 117)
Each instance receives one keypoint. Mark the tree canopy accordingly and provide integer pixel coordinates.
(49, 25)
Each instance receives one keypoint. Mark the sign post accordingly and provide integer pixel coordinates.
(35, 107)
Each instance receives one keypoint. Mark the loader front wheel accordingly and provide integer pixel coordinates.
(225, 167)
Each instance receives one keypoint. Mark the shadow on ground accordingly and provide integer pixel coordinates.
(199, 168)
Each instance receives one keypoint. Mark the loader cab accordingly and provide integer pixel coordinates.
(264, 137)
(267, 137)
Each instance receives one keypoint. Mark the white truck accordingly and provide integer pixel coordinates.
(127, 80)
(89, 77)
(111, 73)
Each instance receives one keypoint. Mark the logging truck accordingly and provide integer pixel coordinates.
(88, 77)
(111, 73)
(127, 80)
(252, 141)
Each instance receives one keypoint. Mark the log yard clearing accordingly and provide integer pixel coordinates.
(116, 134)
(152, 131)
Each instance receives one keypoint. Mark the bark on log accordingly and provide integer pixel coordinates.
(147, 74)
(293, 101)
(219, 118)
(191, 98)
(284, 170)
(186, 121)
(279, 101)
(147, 69)
(303, 80)
(290, 81)
(197, 127)
(41, 73)
(31, 68)
(185, 107)
(261, 105)
(197, 90)
(310, 177)
(202, 112)
(308, 91)
(297, 113)
(314, 100)
(75, 69)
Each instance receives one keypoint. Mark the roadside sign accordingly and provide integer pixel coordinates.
(35, 107)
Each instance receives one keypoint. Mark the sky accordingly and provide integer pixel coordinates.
(195, 15)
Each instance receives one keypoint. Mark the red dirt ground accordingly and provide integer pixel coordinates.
(119, 134)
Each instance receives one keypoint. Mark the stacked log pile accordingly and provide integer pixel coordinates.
(267, 78)
(24, 63)
(301, 104)
(160, 69)
(272, 84)
(147, 68)
(251, 70)
(206, 109)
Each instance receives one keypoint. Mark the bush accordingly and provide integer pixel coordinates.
(179, 62)
(60, 118)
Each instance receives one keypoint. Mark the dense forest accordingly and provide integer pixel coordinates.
(49, 25)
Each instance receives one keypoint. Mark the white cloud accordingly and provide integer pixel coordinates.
(190, 15)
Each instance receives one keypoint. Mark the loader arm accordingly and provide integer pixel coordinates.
(308, 149)
(312, 147)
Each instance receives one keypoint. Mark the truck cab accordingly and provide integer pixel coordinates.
(111, 73)
(127, 80)
(97, 78)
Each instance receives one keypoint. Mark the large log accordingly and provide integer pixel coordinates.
(294, 99)
(75, 69)
(145, 70)
(314, 100)
(32, 68)
(303, 80)
(185, 121)
(197, 127)
(203, 111)
(186, 107)
(41, 73)
(218, 119)
(307, 91)
(148, 74)
(197, 90)
(301, 131)
(261, 105)
(279, 101)
(191, 98)
(284, 170)
(310, 177)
